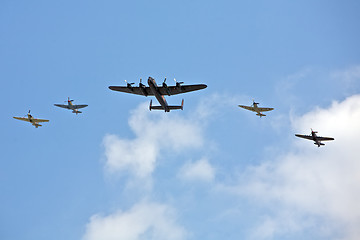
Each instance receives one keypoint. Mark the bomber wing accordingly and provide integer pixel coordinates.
(22, 119)
(304, 136)
(247, 108)
(133, 90)
(263, 109)
(173, 90)
(325, 138)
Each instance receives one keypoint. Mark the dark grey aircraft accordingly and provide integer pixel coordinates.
(71, 106)
(317, 140)
(254, 107)
(159, 92)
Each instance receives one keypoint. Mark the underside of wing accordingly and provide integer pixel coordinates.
(304, 136)
(173, 90)
(325, 138)
(133, 90)
(62, 106)
(40, 120)
(22, 119)
(263, 109)
(247, 108)
(80, 106)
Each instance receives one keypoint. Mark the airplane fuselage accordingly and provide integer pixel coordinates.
(161, 99)
(315, 139)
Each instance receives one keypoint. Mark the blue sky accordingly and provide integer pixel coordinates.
(212, 171)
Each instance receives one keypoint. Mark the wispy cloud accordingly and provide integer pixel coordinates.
(200, 170)
(145, 220)
(311, 182)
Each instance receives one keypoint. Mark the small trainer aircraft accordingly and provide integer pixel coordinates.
(32, 120)
(317, 140)
(254, 107)
(71, 106)
(159, 92)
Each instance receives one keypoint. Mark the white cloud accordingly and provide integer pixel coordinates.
(311, 182)
(153, 132)
(199, 170)
(145, 220)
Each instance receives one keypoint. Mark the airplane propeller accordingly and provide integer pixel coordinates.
(69, 100)
(164, 84)
(129, 84)
(255, 103)
(140, 84)
(178, 84)
(166, 87)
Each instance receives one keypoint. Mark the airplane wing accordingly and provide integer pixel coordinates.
(80, 106)
(325, 138)
(247, 108)
(40, 120)
(62, 106)
(172, 90)
(304, 136)
(133, 90)
(22, 119)
(261, 109)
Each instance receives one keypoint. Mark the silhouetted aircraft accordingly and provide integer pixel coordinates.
(317, 140)
(154, 90)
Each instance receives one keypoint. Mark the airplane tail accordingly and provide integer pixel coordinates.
(37, 125)
(320, 144)
(151, 107)
(177, 107)
(260, 114)
(76, 111)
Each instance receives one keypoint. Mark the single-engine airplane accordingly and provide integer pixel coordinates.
(159, 92)
(71, 106)
(254, 107)
(32, 120)
(317, 139)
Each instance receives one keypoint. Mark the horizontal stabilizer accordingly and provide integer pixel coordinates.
(260, 114)
(156, 108)
(37, 125)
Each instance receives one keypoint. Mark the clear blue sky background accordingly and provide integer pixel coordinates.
(283, 54)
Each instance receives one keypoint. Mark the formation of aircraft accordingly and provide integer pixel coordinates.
(159, 92)
(34, 121)
(254, 107)
(317, 139)
(71, 106)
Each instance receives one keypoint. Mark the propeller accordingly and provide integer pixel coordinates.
(140, 83)
(28, 114)
(255, 103)
(166, 87)
(164, 84)
(129, 84)
(69, 100)
(178, 84)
